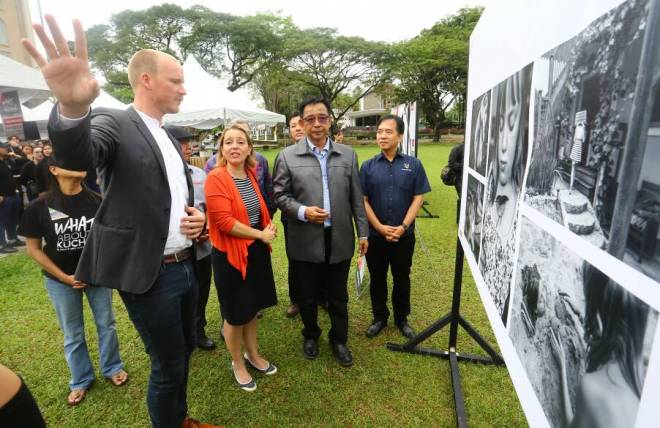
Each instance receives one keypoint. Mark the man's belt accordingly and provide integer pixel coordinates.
(177, 257)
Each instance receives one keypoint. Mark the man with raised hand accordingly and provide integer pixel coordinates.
(317, 187)
(141, 241)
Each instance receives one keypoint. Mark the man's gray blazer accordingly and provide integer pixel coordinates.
(297, 181)
(124, 249)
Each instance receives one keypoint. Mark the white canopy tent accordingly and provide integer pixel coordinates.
(28, 81)
(40, 114)
(209, 103)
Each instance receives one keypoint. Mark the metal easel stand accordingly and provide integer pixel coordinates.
(453, 319)
(428, 214)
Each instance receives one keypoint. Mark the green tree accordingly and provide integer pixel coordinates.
(162, 27)
(335, 65)
(239, 46)
(280, 89)
(432, 67)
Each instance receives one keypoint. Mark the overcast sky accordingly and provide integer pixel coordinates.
(384, 20)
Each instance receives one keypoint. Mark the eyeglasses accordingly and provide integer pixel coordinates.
(310, 120)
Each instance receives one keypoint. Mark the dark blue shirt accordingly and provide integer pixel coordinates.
(391, 186)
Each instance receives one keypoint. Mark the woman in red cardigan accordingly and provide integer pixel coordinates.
(241, 231)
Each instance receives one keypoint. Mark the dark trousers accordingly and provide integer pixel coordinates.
(164, 317)
(381, 256)
(9, 209)
(204, 287)
(329, 279)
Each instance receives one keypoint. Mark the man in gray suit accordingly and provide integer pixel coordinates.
(317, 187)
(141, 240)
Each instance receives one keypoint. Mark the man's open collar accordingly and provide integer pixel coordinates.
(304, 146)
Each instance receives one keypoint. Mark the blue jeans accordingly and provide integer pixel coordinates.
(164, 317)
(9, 218)
(68, 303)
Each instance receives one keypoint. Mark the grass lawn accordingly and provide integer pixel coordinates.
(383, 388)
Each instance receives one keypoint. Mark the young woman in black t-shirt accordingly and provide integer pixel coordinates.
(63, 217)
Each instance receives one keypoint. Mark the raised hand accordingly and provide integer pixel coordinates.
(68, 76)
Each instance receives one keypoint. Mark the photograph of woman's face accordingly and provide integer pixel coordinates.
(509, 124)
(482, 125)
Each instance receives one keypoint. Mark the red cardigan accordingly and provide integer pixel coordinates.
(224, 207)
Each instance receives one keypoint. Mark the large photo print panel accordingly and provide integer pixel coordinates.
(583, 340)
(504, 182)
(584, 93)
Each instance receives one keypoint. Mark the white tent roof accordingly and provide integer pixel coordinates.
(42, 112)
(209, 103)
(30, 84)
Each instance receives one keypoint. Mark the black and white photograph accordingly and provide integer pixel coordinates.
(504, 181)
(595, 164)
(479, 134)
(583, 340)
(474, 214)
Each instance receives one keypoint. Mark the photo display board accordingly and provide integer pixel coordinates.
(560, 213)
(408, 112)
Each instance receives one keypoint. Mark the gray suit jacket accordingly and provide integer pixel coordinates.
(124, 249)
(297, 181)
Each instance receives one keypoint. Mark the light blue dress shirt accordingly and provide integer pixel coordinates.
(322, 156)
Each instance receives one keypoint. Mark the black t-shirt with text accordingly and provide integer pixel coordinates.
(64, 225)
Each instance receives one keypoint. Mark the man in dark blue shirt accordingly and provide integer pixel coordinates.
(394, 185)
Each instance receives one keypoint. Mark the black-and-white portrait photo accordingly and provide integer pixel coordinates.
(479, 134)
(474, 214)
(506, 170)
(584, 340)
(595, 165)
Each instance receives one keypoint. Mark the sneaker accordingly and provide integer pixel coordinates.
(8, 249)
(16, 243)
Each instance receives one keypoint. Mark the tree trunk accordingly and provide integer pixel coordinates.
(436, 131)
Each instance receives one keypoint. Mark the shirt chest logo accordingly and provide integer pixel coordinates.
(56, 215)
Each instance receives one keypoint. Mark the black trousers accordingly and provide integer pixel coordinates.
(294, 282)
(381, 256)
(323, 279)
(204, 283)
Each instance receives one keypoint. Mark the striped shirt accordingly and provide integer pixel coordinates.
(250, 200)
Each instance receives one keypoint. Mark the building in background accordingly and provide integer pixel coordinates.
(370, 108)
(15, 24)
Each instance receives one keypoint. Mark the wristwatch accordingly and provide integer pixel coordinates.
(405, 226)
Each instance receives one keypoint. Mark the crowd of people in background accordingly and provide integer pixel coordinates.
(23, 176)
(157, 229)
